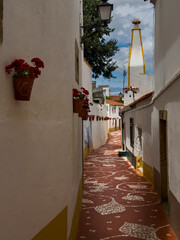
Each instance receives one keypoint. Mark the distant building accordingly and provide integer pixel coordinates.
(105, 87)
(93, 84)
(113, 107)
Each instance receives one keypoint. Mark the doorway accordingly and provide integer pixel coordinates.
(164, 160)
(115, 124)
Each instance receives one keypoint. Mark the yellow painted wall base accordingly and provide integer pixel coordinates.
(56, 229)
(139, 165)
(148, 173)
(112, 129)
(86, 151)
(145, 170)
(77, 211)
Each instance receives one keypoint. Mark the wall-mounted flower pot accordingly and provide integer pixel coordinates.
(84, 113)
(23, 87)
(77, 105)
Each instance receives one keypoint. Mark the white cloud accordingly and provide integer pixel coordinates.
(122, 57)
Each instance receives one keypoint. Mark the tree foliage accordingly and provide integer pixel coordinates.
(97, 51)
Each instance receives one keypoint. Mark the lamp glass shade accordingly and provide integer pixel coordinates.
(105, 13)
(105, 9)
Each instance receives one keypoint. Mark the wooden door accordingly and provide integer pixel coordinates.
(163, 159)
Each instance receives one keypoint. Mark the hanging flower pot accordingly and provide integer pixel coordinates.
(84, 113)
(23, 76)
(23, 87)
(77, 105)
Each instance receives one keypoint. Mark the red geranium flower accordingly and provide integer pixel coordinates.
(37, 62)
(86, 101)
(21, 68)
(85, 92)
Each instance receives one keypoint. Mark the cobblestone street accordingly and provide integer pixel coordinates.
(118, 203)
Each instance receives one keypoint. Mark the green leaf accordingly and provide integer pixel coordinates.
(97, 51)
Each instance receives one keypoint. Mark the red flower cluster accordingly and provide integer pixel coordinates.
(37, 62)
(86, 101)
(21, 68)
(79, 94)
(76, 93)
(84, 96)
(106, 118)
(86, 92)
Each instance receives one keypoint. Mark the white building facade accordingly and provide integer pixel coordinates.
(113, 108)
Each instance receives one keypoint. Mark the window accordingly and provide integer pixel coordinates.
(138, 141)
(76, 61)
(132, 132)
(113, 109)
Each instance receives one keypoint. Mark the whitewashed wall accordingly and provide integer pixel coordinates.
(167, 66)
(97, 130)
(167, 42)
(146, 85)
(40, 159)
(142, 120)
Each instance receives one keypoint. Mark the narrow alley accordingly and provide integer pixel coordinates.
(118, 203)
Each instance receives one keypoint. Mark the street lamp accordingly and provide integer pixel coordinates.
(105, 9)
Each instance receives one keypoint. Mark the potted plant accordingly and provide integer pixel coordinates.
(78, 97)
(76, 100)
(106, 118)
(85, 109)
(23, 76)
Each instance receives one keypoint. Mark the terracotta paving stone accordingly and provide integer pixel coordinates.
(117, 202)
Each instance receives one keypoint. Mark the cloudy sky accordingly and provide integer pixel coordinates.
(125, 11)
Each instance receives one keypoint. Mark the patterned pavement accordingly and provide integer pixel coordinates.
(118, 203)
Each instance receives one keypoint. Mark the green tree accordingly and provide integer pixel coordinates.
(97, 51)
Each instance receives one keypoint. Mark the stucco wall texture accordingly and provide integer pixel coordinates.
(40, 163)
(167, 41)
